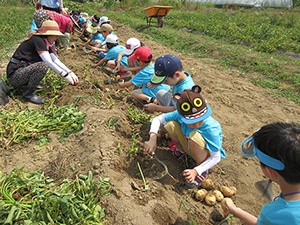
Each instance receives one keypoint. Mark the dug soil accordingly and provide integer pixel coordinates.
(109, 134)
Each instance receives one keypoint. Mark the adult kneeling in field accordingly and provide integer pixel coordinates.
(31, 60)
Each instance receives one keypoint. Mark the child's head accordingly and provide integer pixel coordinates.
(131, 45)
(142, 54)
(277, 145)
(106, 29)
(165, 67)
(192, 106)
(111, 41)
(103, 20)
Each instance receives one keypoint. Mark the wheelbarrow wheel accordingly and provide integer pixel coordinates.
(160, 22)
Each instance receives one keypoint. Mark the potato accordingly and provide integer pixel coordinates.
(233, 189)
(219, 195)
(210, 199)
(207, 184)
(227, 191)
(200, 194)
(223, 203)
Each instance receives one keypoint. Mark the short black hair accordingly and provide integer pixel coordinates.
(281, 141)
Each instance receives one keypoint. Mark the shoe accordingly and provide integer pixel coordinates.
(123, 73)
(30, 96)
(198, 180)
(174, 150)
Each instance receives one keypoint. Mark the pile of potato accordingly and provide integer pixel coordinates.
(211, 196)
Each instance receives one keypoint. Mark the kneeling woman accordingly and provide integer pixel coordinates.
(30, 62)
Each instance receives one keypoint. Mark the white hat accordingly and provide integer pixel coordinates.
(84, 15)
(111, 38)
(131, 45)
(103, 19)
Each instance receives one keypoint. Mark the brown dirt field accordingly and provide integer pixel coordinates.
(237, 104)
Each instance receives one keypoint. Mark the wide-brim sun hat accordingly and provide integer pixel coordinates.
(48, 28)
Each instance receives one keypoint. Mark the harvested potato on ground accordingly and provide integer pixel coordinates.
(226, 191)
(223, 203)
(207, 184)
(210, 199)
(233, 189)
(200, 194)
(219, 195)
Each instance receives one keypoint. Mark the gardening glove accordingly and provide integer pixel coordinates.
(72, 79)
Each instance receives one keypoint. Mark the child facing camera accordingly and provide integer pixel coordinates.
(194, 131)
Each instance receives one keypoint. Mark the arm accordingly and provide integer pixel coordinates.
(158, 108)
(101, 62)
(126, 84)
(118, 66)
(213, 159)
(241, 214)
(150, 145)
(56, 65)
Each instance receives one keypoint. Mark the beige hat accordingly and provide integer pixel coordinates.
(106, 27)
(49, 27)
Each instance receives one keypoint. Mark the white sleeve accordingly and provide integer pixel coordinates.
(156, 122)
(59, 63)
(212, 160)
(45, 56)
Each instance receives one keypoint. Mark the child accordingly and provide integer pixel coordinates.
(104, 31)
(103, 20)
(131, 45)
(168, 70)
(277, 147)
(146, 94)
(96, 38)
(194, 132)
(114, 49)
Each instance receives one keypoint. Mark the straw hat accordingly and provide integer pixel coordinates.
(49, 27)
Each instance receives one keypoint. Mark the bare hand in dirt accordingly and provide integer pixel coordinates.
(94, 65)
(189, 175)
(150, 146)
(150, 107)
(121, 83)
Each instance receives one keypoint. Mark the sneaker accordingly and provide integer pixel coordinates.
(174, 150)
(198, 180)
(123, 73)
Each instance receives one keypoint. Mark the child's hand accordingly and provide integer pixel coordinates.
(150, 146)
(121, 83)
(228, 206)
(94, 65)
(189, 175)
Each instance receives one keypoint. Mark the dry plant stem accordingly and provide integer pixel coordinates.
(146, 187)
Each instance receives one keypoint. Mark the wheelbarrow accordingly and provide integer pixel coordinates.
(158, 11)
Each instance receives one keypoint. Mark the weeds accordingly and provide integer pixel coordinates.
(133, 150)
(137, 116)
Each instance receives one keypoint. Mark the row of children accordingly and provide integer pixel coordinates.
(187, 118)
